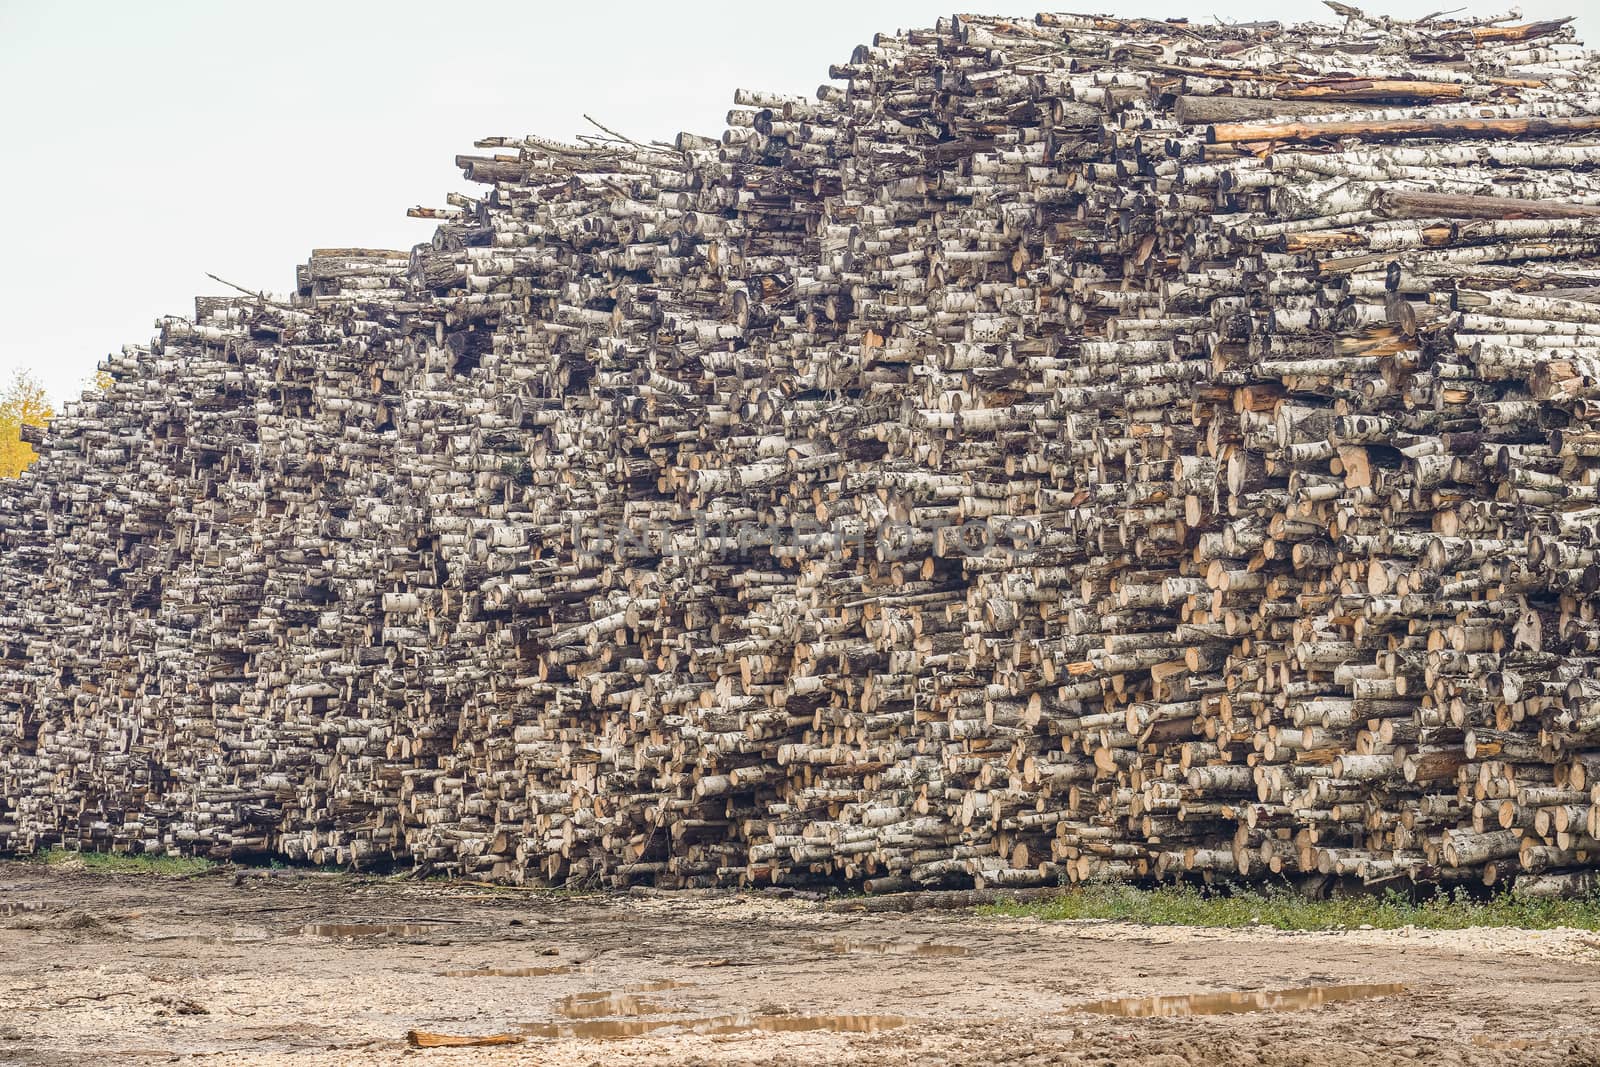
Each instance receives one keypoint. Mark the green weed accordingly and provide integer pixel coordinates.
(1285, 910)
(125, 863)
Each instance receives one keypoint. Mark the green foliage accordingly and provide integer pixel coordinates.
(1285, 910)
(124, 863)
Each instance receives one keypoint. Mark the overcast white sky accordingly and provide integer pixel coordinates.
(147, 143)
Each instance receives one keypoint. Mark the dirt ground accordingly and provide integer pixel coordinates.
(281, 967)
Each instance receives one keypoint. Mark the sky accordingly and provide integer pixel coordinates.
(146, 144)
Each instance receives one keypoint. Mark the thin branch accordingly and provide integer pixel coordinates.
(261, 296)
(606, 129)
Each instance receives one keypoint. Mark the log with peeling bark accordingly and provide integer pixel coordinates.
(1067, 449)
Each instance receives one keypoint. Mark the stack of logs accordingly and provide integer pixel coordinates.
(1068, 449)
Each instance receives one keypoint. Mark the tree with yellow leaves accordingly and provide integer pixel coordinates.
(23, 403)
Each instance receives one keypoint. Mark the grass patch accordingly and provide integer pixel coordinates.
(124, 863)
(1284, 910)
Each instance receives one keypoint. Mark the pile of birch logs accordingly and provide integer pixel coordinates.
(1068, 449)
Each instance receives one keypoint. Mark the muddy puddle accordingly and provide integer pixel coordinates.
(10, 908)
(1511, 1044)
(237, 936)
(784, 1024)
(1233, 1003)
(631, 1012)
(715, 1025)
(508, 972)
(606, 1004)
(351, 931)
(842, 945)
(609, 1005)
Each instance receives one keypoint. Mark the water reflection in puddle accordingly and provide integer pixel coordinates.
(1511, 1044)
(597, 1029)
(1230, 1003)
(606, 1005)
(344, 931)
(508, 972)
(609, 1015)
(833, 1024)
(843, 945)
(658, 986)
(239, 935)
(716, 1025)
(8, 908)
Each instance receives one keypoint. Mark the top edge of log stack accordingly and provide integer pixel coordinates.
(1058, 449)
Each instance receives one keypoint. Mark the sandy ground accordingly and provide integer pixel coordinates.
(300, 969)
